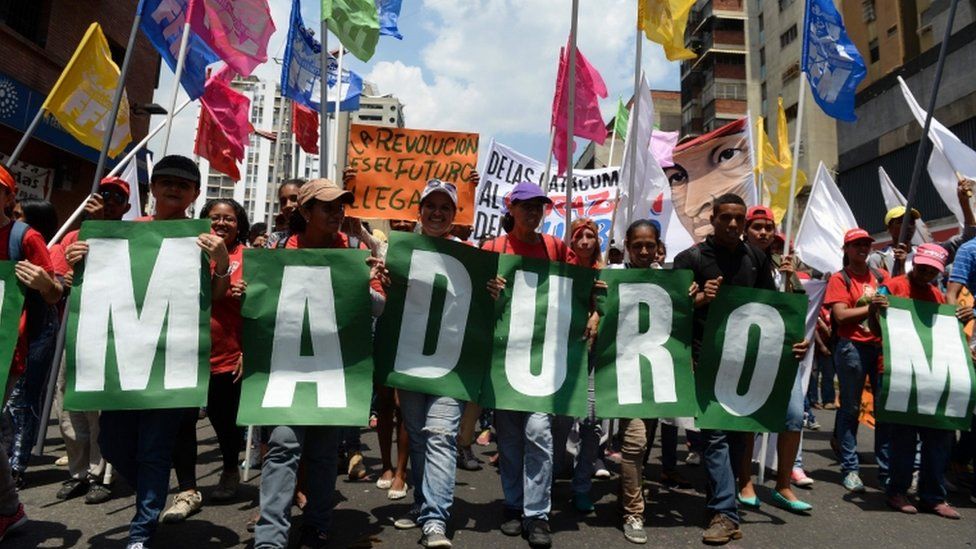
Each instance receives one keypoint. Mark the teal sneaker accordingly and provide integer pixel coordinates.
(853, 484)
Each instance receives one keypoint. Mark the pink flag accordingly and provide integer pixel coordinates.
(224, 127)
(587, 119)
(237, 30)
(662, 147)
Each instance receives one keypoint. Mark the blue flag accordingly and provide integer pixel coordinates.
(389, 11)
(301, 72)
(163, 22)
(831, 61)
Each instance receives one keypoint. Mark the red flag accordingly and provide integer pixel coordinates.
(305, 124)
(587, 119)
(224, 127)
(238, 31)
(213, 145)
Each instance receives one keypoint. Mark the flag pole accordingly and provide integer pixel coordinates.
(545, 178)
(117, 98)
(635, 118)
(26, 137)
(180, 59)
(920, 154)
(796, 163)
(335, 128)
(323, 101)
(613, 140)
(570, 130)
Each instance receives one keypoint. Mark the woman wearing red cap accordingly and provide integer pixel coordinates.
(852, 295)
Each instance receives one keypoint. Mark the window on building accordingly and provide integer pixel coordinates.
(27, 18)
(792, 72)
(783, 4)
(892, 30)
(867, 8)
(762, 29)
(787, 37)
(791, 112)
(874, 50)
(762, 63)
(763, 94)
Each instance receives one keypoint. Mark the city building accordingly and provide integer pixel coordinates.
(713, 85)
(37, 38)
(667, 117)
(886, 133)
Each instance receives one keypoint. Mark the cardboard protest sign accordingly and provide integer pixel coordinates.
(394, 164)
(643, 350)
(539, 353)
(306, 338)
(138, 334)
(11, 307)
(928, 378)
(746, 370)
(434, 335)
(594, 192)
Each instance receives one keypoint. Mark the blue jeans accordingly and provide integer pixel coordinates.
(525, 447)
(936, 447)
(432, 426)
(139, 445)
(319, 446)
(719, 454)
(855, 362)
(587, 453)
(827, 372)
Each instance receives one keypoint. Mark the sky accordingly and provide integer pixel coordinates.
(485, 66)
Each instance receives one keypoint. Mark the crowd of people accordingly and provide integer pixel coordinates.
(434, 434)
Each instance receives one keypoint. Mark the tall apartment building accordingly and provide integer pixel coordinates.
(713, 85)
(667, 117)
(775, 33)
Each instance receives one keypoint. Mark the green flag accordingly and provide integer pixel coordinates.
(620, 121)
(306, 338)
(435, 332)
(928, 378)
(643, 350)
(138, 333)
(356, 23)
(746, 370)
(539, 358)
(11, 307)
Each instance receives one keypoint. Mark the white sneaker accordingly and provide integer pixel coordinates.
(693, 458)
(184, 504)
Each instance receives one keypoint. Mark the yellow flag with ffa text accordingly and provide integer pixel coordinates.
(777, 170)
(81, 100)
(664, 21)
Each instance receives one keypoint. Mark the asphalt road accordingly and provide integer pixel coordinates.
(363, 516)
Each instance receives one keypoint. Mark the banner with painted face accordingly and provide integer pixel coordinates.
(435, 332)
(747, 371)
(306, 338)
(138, 334)
(539, 352)
(11, 307)
(643, 349)
(594, 192)
(928, 378)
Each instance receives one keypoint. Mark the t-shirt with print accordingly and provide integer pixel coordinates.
(862, 289)
(225, 320)
(33, 249)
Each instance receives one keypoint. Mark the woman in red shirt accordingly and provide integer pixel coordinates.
(852, 295)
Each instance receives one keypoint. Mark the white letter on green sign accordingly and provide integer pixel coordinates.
(555, 348)
(632, 344)
(772, 332)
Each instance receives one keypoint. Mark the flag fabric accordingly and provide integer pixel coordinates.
(212, 144)
(649, 179)
(238, 31)
(389, 12)
(163, 22)
(131, 176)
(664, 22)
(893, 198)
(305, 124)
(356, 23)
(662, 147)
(777, 170)
(587, 121)
(950, 157)
(81, 99)
(224, 127)
(820, 237)
(620, 120)
(831, 60)
(348, 89)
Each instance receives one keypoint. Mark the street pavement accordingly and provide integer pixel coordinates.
(363, 516)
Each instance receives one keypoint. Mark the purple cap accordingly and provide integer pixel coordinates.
(525, 191)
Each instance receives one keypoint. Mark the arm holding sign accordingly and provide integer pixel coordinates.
(216, 251)
(707, 294)
(36, 270)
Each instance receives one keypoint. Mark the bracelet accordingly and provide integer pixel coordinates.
(226, 273)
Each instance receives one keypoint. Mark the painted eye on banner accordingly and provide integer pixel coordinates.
(676, 175)
(727, 158)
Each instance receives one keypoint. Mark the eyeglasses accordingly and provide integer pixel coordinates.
(113, 196)
(437, 183)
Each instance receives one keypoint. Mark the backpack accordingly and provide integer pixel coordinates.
(37, 310)
(15, 246)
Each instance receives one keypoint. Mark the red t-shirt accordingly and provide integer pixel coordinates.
(58, 260)
(900, 286)
(33, 249)
(862, 289)
(225, 321)
(549, 248)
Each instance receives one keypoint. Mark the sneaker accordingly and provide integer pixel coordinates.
(98, 493)
(356, 469)
(721, 530)
(634, 530)
(537, 533)
(512, 525)
(901, 504)
(583, 503)
(313, 538)
(913, 487)
(9, 523)
(136, 545)
(600, 469)
(852, 482)
(693, 459)
(942, 509)
(466, 459)
(61, 461)
(811, 425)
(434, 536)
(72, 488)
(673, 479)
(184, 504)
(227, 486)
(799, 478)
(484, 438)
(408, 521)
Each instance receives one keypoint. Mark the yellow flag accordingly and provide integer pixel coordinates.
(81, 100)
(664, 21)
(777, 170)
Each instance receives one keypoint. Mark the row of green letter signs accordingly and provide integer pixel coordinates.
(139, 336)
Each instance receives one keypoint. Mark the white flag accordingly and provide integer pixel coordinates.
(131, 176)
(893, 198)
(820, 238)
(950, 157)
